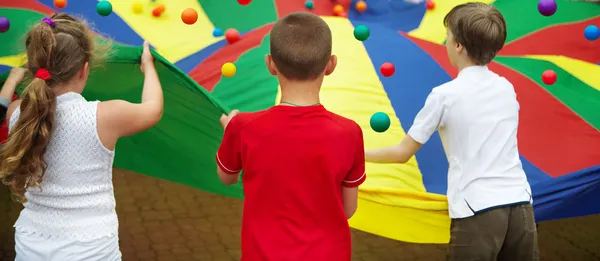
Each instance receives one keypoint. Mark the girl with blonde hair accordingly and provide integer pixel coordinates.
(58, 157)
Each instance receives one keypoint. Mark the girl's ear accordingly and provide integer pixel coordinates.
(85, 71)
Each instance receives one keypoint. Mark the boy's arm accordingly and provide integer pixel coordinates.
(425, 124)
(355, 177)
(229, 161)
(400, 153)
(350, 199)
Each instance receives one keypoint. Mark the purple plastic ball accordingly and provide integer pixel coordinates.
(547, 7)
(4, 24)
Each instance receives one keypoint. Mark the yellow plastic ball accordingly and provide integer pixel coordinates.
(137, 7)
(228, 69)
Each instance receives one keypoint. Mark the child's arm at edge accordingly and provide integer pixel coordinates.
(8, 89)
(3, 108)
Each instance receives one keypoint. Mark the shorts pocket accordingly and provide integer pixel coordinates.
(528, 218)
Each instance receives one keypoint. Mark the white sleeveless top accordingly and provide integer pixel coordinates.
(76, 200)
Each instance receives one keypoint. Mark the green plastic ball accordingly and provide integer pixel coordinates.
(309, 5)
(361, 32)
(380, 122)
(104, 8)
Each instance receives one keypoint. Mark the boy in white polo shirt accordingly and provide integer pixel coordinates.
(477, 115)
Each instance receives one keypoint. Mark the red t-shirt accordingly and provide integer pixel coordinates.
(295, 162)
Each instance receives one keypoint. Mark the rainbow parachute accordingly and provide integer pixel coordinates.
(559, 136)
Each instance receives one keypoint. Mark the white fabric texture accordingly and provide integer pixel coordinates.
(35, 248)
(76, 198)
(477, 116)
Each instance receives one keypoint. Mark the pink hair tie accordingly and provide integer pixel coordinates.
(49, 21)
(43, 74)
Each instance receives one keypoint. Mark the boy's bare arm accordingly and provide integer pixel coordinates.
(356, 176)
(425, 124)
(226, 178)
(350, 199)
(400, 153)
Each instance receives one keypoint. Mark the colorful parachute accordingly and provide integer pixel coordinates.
(559, 136)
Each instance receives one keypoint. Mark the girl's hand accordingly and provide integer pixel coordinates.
(147, 59)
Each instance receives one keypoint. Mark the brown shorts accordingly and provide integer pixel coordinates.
(501, 234)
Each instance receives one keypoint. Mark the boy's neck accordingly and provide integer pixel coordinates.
(464, 63)
(300, 93)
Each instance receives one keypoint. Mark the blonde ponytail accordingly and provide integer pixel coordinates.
(58, 48)
(23, 164)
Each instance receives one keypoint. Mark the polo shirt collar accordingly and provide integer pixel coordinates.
(475, 69)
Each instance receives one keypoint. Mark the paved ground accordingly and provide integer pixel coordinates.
(160, 220)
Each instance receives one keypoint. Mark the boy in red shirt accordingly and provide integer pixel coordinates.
(302, 164)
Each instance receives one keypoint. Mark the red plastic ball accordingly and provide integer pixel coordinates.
(156, 12)
(232, 35)
(244, 2)
(549, 77)
(387, 69)
(429, 4)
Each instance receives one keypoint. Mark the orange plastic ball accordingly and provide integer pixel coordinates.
(361, 6)
(161, 8)
(60, 4)
(338, 9)
(189, 16)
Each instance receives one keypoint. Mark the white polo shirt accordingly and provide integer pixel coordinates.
(477, 116)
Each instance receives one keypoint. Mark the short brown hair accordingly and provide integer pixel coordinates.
(301, 46)
(480, 28)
